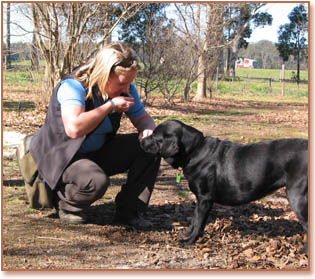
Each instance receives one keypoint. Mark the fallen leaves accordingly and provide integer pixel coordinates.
(288, 118)
(252, 236)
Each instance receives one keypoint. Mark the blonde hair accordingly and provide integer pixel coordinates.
(114, 58)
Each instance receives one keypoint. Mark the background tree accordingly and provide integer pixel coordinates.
(240, 19)
(69, 32)
(134, 30)
(147, 33)
(212, 27)
(292, 37)
(34, 53)
(173, 74)
(188, 61)
(8, 39)
(201, 26)
(215, 39)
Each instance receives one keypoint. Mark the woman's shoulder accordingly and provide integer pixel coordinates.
(71, 91)
(72, 83)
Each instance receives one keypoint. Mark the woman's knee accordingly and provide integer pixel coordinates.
(100, 184)
(96, 184)
(87, 179)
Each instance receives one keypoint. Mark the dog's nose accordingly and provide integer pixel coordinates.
(145, 144)
(148, 145)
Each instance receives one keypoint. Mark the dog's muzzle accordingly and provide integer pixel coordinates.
(149, 145)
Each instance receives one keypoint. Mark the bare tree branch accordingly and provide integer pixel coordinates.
(120, 18)
(66, 32)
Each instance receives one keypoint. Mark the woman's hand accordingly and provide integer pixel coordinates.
(123, 104)
(145, 133)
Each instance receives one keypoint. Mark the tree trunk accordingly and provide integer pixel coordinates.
(221, 63)
(186, 92)
(49, 79)
(298, 65)
(228, 61)
(215, 39)
(8, 54)
(187, 89)
(234, 52)
(34, 54)
(211, 53)
(201, 80)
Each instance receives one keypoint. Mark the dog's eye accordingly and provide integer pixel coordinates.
(159, 142)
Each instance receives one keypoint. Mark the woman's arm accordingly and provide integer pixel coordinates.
(144, 124)
(78, 122)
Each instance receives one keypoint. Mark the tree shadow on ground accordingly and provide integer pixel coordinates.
(13, 182)
(164, 216)
(18, 105)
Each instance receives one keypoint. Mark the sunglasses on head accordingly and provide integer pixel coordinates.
(127, 62)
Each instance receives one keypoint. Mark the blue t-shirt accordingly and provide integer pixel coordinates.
(71, 92)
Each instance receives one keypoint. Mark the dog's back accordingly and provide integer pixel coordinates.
(251, 171)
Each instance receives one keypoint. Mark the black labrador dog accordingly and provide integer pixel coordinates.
(230, 173)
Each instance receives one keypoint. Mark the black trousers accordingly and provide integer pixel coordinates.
(86, 179)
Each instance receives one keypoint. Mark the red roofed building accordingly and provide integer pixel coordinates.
(246, 63)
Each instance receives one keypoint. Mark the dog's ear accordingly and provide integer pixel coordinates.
(191, 137)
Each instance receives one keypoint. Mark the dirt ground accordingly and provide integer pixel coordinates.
(261, 235)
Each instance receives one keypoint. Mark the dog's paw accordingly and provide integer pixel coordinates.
(183, 242)
(184, 234)
(187, 241)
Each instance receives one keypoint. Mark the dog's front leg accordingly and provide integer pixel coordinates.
(199, 220)
(189, 230)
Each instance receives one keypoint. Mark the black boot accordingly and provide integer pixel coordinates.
(130, 217)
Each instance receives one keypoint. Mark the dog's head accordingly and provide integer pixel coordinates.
(173, 140)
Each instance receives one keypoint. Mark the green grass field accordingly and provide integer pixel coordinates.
(260, 90)
(22, 75)
(267, 73)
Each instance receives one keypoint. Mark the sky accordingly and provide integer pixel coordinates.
(279, 12)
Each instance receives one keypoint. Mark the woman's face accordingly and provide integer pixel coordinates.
(119, 83)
